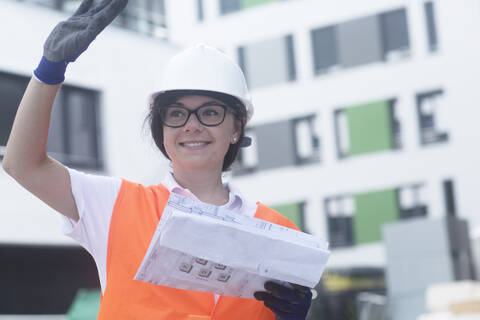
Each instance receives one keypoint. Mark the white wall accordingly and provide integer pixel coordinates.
(125, 67)
(454, 68)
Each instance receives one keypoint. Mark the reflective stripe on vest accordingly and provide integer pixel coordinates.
(134, 219)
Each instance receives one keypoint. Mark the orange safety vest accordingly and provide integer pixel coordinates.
(135, 216)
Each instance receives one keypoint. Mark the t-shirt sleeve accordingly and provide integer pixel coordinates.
(95, 198)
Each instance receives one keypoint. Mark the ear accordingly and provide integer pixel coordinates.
(238, 127)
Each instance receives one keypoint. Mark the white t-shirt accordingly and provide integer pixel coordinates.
(95, 197)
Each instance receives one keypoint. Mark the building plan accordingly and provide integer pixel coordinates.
(198, 246)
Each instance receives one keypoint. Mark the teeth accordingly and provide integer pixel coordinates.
(194, 144)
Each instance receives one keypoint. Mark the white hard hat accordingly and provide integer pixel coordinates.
(203, 67)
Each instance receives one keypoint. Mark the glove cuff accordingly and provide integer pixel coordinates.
(51, 72)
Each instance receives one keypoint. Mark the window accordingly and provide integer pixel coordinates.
(369, 39)
(431, 26)
(300, 144)
(339, 211)
(358, 218)
(144, 16)
(74, 134)
(30, 273)
(294, 212)
(411, 200)
(449, 195)
(359, 42)
(268, 62)
(367, 128)
(12, 88)
(200, 14)
(325, 51)
(307, 141)
(247, 158)
(431, 117)
(271, 153)
(230, 6)
(396, 43)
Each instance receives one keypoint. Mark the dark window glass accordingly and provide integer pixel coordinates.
(200, 16)
(396, 126)
(82, 119)
(30, 274)
(339, 211)
(227, 6)
(144, 16)
(359, 42)
(394, 32)
(272, 154)
(57, 144)
(431, 26)
(268, 62)
(73, 136)
(449, 195)
(241, 61)
(74, 133)
(411, 201)
(290, 58)
(12, 88)
(324, 45)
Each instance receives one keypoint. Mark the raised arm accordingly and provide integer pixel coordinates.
(26, 157)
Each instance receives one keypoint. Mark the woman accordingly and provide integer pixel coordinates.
(197, 121)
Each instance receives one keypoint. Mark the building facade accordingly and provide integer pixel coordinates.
(364, 113)
(97, 126)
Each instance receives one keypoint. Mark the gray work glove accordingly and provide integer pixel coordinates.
(73, 36)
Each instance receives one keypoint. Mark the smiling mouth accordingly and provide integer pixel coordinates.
(194, 144)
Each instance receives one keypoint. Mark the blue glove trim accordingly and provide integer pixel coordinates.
(51, 72)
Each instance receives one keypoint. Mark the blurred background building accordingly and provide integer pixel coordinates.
(365, 115)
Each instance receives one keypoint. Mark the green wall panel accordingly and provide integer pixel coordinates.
(85, 306)
(293, 212)
(252, 3)
(369, 127)
(373, 209)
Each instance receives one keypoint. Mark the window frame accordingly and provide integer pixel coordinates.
(345, 218)
(440, 137)
(20, 79)
(67, 157)
(315, 140)
(396, 53)
(288, 42)
(431, 26)
(239, 167)
(419, 209)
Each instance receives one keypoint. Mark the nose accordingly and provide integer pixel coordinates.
(193, 124)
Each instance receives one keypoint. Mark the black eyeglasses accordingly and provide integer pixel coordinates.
(210, 115)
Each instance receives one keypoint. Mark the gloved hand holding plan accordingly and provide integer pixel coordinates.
(198, 246)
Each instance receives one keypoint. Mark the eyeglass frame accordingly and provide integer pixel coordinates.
(195, 111)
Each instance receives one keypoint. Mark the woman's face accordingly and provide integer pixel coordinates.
(195, 146)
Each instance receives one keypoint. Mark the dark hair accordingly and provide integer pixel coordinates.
(169, 97)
